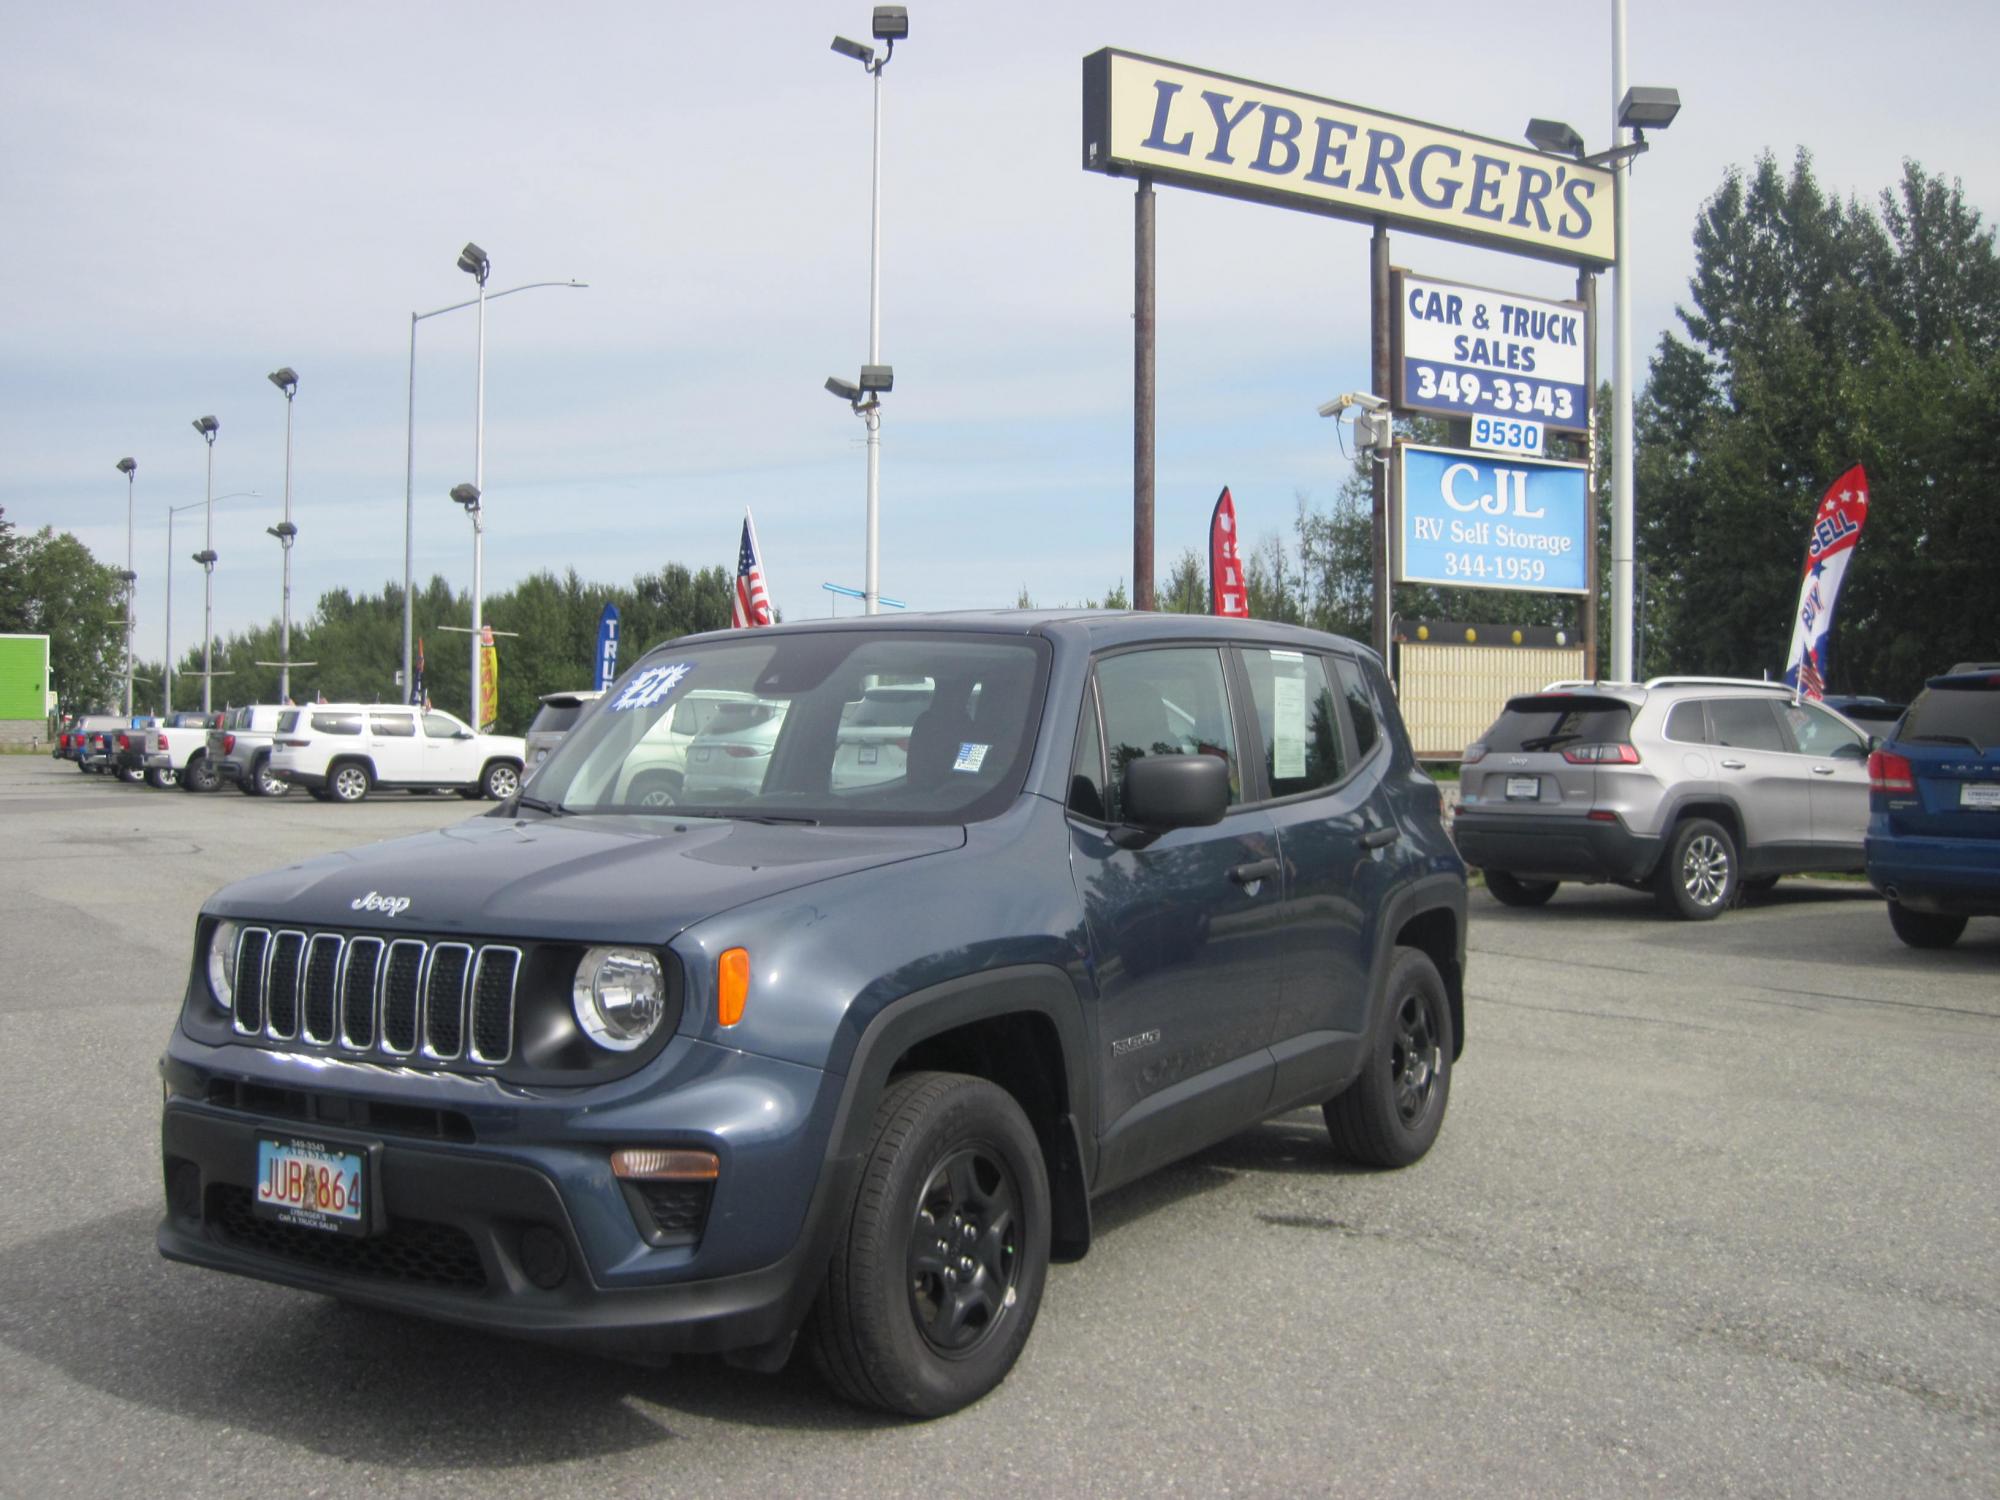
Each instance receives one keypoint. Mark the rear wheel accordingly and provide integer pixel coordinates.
(162, 777)
(1697, 880)
(938, 1270)
(349, 781)
(132, 774)
(1390, 1114)
(655, 789)
(266, 784)
(200, 776)
(1924, 929)
(1508, 890)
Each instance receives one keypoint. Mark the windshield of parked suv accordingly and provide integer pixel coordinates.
(795, 727)
(1551, 720)
(1966, 713)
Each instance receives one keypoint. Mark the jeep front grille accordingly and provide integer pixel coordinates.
(407, 999)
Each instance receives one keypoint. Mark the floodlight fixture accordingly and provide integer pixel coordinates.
(474, 262)
(207, 427)
(206, 557)
(878, 378)
(466, 495)
(846, 390)
(862, 54)
(1555, 136)
(892, 23)
(286, 379)
(128, 466)
(1645, 108)
(284, 531)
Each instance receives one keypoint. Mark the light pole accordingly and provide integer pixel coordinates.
(208, 427)
(475, 263)
(410, 458)
(167, 671)
(128, 467)
(286, 379)
(891, 25)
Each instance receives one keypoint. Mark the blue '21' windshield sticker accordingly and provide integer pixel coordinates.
(654, 685)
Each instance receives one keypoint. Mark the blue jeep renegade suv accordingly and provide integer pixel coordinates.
(837, 1037)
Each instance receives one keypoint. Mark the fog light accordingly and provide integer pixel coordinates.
(544, 1257)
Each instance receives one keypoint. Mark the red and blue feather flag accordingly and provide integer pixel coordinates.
(1836, 530)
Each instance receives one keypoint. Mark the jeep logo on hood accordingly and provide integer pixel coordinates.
(393, 906)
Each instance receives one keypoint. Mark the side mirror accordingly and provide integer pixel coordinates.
(463, 734)
(1176, 791)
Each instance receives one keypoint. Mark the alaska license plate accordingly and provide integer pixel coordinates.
(311, 1185)
(1524, 788)
(1982, 794)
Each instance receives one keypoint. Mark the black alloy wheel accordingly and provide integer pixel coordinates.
(1391, 1113)
(965, 1251)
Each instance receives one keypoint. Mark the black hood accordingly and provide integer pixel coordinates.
(586, 879)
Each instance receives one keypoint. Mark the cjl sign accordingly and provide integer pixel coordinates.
(1479, 520)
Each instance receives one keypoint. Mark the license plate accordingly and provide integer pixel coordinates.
(311, 1185)
(1984, 794)
(1524, 788)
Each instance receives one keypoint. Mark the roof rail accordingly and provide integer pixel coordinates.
(1740, 682)
(1570, 684)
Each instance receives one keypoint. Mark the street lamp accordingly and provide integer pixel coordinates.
(1638, 110)
(467, 495)
(475, 263)
(891, 25)
(208, 427)
(410, 458)
(286, 379)
(128, 467)
(167, 672)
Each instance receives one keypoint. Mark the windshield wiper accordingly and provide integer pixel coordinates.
(554, 810)
(798, 818)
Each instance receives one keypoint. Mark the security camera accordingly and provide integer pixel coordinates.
(1363, 399)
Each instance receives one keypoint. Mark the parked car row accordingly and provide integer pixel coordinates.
(339, 752)
(1702, 790)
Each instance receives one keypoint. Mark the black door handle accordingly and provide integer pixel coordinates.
(1256, 870)
(1381, 838)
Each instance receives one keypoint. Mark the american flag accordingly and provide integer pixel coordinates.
(752, 605)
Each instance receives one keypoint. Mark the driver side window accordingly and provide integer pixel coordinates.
(1170, 702)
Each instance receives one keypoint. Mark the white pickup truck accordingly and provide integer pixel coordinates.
(340, 752)
(177, 751)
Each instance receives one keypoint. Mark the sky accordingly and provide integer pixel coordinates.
(195, 195)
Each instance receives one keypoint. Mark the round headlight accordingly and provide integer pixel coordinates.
(620, 996)
(222, 964)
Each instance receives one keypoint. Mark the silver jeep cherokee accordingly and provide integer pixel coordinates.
(1695, 787)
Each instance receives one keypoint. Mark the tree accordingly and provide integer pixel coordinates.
(1186, 589)
(51, 585)
(13, 580)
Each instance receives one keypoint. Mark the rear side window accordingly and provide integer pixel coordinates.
(1746, 724)
(1687, 724)
(337, 723)
(1552, 721)
(1955, 715)
(1300, 725)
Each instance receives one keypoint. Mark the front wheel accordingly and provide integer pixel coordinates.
(1390, 1114)
(1510, 890)
(501, 781)
(349, 781)
(1925, 929)
(938, 1270)
(1697, 879)
(268, 785)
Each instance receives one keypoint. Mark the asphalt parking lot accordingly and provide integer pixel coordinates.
(1714, 1213)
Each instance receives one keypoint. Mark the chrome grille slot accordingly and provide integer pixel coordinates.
(358, 983)
(252, 944)
(493, 1004)
(402, 970)
(321, 989)
(444, 1000)
(281, 980)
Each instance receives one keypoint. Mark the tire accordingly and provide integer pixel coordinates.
(1925, 929)
(131, 775)
(349, 781)
(1697, 881)
(1510, 891)
(163, 777)
(1390, 1114)
(938, 1267)
(654, 789)
(264, 783)
(200, 776)
(501, 780)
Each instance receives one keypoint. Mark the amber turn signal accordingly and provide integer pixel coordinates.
(732, 985)
(679, 1166)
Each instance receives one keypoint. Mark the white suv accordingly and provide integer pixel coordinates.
(341, 751)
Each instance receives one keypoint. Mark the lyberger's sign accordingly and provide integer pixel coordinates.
(1226, 135)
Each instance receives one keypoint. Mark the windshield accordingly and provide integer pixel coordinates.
(762, 726)
(1551, 721)
(1964, 711)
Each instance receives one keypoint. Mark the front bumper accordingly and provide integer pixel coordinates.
(464, 1225)
(1565, 848)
